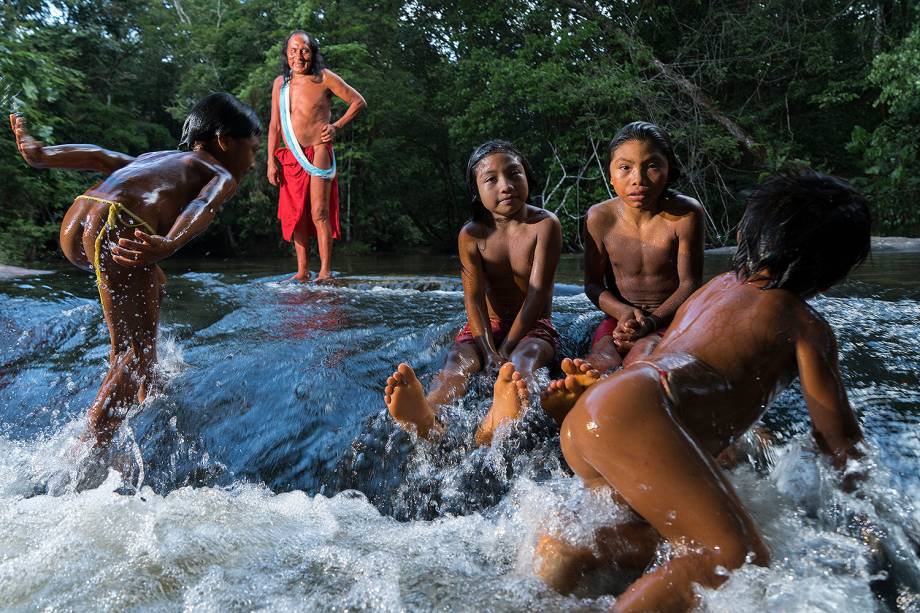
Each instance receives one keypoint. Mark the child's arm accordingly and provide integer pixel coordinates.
(274, 135)
(836, 428)
(474, 299)
(147, 249)
(596, 262)
(690, 239)
(73, 157)
(690, 242)
(540, 286)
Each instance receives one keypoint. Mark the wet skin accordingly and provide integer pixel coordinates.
(311, 111)
(643, 256)
(508, 265)
(178, 194)
(731, 349)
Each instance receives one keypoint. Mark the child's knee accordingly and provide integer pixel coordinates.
(531, 355)
(462, 362)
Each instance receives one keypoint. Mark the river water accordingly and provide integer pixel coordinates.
(266, 473)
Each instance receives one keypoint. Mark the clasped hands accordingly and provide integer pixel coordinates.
(632, 326)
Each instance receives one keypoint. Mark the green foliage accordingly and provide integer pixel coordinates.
(892, 150)
(743, 89)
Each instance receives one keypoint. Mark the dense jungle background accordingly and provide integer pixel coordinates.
(743, 88)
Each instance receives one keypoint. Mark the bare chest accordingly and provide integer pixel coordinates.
(633, 251)
(509, 252)
(309, 99)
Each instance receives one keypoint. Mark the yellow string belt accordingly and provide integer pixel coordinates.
(115, 209)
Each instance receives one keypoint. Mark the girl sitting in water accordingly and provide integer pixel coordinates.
(142, 212)
(643, 258)
(508, 255)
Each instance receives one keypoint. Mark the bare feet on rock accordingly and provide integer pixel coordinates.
(406, 401)
(560, 395)
(299, 278)
(509, 401)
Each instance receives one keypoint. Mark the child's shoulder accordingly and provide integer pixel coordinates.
(781, 303)
(202, 161)
(603, 214)
(155, 159)
(541, 217)
(605, 207)
(682, 206)
(473, 229)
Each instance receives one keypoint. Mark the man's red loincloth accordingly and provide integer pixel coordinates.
(294, 195)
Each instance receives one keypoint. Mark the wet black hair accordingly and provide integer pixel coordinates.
(802, 230)
(317, 63)
(646, 132)
(219, 113)
(477, 208)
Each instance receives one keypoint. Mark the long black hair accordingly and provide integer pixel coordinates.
(317, 63)
(802, 230)
(477, 208)
(219, 113)
(646, 132)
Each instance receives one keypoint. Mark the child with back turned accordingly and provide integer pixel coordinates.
(652, 430)
(508, 253)
(143, 211)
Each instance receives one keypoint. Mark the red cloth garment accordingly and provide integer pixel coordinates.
(294, 195)
(542, 329)
(605, 328)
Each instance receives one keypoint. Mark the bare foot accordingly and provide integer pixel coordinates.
(299, 278)
(406, 401)
(508, 402)
(324, 277)
(560, 395)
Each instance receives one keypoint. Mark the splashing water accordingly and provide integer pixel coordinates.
(267, 473)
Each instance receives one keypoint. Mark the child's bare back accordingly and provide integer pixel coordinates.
(156, 187)
(731, 349)
(653, 429)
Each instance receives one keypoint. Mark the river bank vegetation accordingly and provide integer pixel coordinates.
(743, 88)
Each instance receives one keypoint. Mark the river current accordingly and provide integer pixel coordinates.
(266, 473)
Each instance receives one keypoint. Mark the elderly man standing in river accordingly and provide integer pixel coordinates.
(304, 168)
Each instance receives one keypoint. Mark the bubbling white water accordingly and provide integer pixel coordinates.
(245, 547)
